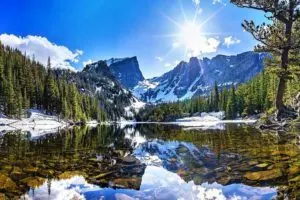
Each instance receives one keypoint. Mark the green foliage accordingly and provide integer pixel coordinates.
(280, 37)
(24, 84)
(254, 97)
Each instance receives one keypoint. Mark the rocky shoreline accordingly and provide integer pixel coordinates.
(109, 170)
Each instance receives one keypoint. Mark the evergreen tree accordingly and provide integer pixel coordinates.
(231, 108)
(25, 84)
(216, 97)
(281, 38)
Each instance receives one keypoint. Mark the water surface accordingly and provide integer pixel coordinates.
(150, 161)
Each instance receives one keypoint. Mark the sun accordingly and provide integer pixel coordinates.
(191, 37)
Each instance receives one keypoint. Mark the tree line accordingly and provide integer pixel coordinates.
(25, 83)
(254, 97)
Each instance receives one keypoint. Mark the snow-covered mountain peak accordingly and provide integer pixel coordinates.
(197, 77)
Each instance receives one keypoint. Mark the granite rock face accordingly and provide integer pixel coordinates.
(126, 70)
(198, 76)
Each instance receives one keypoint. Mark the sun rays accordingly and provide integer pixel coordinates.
(191, 34)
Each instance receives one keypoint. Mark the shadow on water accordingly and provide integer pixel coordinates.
(150, 159)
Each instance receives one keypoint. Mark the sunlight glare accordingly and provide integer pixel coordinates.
(191, 36)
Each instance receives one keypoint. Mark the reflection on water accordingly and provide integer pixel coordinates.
(157, 183)
(150, 161)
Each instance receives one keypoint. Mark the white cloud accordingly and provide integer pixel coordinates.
(202, 45)
(160, 59)
(168, 65)
(228, 41)
(41, 48)
(85, 63)
(176, 44)
(196, 2)
(172, 64)
(176, 62)
(217, 1)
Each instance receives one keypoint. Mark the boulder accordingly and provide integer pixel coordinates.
(263, 175)
(33, 182)
(6, 183)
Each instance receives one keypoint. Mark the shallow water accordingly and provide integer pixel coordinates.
(150, 162)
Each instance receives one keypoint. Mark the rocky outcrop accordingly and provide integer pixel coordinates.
(126, 70)
(286, 119)
(103, 84)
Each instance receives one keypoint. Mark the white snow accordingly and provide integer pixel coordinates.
(93, 123)
(135, 106)
(213, 120)
(37, 124)
(114, 60)
(205, 117)
(98, 90)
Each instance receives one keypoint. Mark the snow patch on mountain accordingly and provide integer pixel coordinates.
(134, 107)
(198, 76)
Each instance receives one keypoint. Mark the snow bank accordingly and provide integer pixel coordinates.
(93, 123)
(204, 117)
(37, 124)
(213, 120)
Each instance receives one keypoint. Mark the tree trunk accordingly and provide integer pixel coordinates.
(284, 66)
(280, 94)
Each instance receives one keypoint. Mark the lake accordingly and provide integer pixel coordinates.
(150, 161)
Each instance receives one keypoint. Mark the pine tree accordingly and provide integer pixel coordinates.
(50, 90)
(231, 108)
(281, 38)
(216, 97)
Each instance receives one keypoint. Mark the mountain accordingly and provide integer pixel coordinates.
(97, 79)
(197, 77)
(126, 70)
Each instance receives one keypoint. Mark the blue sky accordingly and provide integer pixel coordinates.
(90, 30)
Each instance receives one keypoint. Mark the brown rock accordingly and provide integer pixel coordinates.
(263, 175)
(31, 169)
(293, 170)
(33, 182)
(6, 183)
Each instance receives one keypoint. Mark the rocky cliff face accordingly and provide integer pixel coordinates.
(197, 77)
(98, 80)
(126, 70)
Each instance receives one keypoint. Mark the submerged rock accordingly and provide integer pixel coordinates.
(103, 175)
(129, 160)
(262, 165)
(70, 174)
(31, 169)
(263, 175)
(33, 182)
(293, 170)
(6, 183)
(17, 173)
(126, 182)
(296, 179)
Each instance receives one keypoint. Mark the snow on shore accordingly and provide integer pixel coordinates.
(212, 120)
(37, 124)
